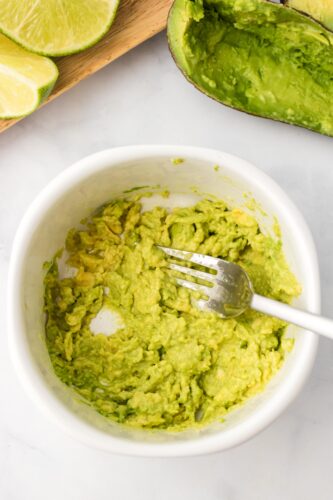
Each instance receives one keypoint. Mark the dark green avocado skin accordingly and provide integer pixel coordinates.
(256, 56)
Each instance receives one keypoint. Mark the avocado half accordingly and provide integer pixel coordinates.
(321, 10)
(256, 56)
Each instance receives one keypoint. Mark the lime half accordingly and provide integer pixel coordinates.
(56, 27)
(25, 79)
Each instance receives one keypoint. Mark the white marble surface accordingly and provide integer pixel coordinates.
(142, 98)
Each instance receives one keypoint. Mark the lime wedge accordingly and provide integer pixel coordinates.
(25, 79)
(56, 27)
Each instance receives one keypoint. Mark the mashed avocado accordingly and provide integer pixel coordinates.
(169, 366)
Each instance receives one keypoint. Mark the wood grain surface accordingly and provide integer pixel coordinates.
(136, 21)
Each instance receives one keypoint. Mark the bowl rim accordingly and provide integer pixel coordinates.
(27, 372)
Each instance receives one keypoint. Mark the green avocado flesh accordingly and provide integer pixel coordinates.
(258, 57)
(321, 10)
(168, 365)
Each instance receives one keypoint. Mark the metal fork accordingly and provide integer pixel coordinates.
(229, 292)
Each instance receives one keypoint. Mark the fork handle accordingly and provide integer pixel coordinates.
(309, 321)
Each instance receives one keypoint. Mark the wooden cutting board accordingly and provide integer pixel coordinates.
(136, 21)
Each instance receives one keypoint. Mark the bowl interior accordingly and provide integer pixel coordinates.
(63, 206)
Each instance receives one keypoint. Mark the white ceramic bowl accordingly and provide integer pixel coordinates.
(74, 194)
